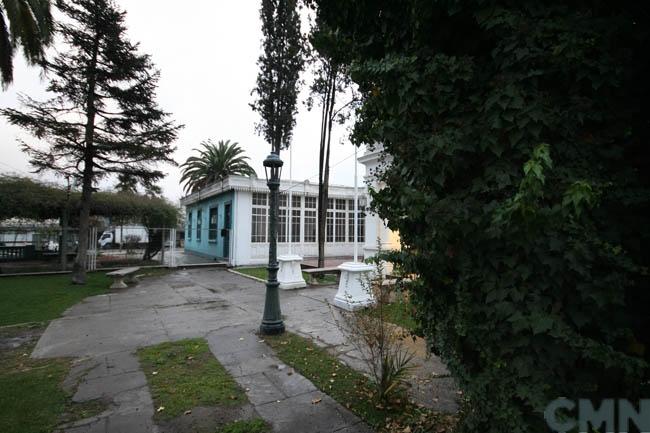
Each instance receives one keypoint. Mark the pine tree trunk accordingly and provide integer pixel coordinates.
(79, 267)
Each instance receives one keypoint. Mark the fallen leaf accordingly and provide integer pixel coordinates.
(316, 400)
(154, 373)
(233, 397)
(407, 430)
(189, 358)
(160, 409)
(241, 338)
(260, 341)
(188, 412)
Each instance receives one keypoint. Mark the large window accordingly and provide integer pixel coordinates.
(189, 226)
(340, 227)
(259, 226)
(199, 223)
(212, 224)
(282, 217)
(361, 221)
(310, 219)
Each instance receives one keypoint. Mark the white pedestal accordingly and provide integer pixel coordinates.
(290, 273)
(352, 294)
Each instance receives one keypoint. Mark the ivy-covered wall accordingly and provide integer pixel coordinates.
(518, 185)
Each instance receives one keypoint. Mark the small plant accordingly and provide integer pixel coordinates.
(380, 342)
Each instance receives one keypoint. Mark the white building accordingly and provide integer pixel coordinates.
(228, 220)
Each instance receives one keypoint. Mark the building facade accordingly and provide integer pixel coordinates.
(229, 220)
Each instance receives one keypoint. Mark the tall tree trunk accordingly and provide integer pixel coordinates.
(79, 268)
(324, 162)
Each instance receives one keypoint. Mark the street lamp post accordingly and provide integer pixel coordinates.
(272, 319)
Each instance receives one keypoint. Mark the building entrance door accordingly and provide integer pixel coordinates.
(227, 224)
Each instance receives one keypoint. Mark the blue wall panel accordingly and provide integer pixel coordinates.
(205, 247)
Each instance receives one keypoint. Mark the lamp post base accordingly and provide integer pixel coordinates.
(272, 328)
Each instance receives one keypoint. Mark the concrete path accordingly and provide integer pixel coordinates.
(103, 332)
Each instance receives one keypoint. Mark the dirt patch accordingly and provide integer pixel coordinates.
(206, 419)
(14, 337)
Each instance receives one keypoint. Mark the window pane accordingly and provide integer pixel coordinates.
(351, 226)
(189, 225)
(340, 227)
(362, 227)
(310, 202)
(310, 225)
(199, 224)
(259, 199)
(258, 229)
(212, 224)
(340, 204)
(282, 225)
(329, 231)
(295, 201)
(295, 225)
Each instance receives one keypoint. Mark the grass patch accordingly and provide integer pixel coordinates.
(399, 313)
(44, 297)
(262, 273)
(256, 425)
(184, 374)
(32, 399)
(352, 389)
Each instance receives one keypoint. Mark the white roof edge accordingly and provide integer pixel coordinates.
(242, 183)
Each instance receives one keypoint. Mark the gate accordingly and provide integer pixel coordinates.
(91, 253)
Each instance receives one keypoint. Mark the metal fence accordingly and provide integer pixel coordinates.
(45, 248)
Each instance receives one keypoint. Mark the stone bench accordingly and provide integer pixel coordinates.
(315, 272)
(123, 276)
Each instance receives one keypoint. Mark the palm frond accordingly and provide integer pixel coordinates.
(214, 163)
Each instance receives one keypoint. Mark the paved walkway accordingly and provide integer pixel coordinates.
(103, 332)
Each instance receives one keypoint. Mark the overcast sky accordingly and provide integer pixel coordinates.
(207, 53)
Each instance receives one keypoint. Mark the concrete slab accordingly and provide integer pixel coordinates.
(104, 332)
(313, 412)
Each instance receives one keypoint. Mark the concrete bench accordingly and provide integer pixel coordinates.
(123, 276)
(315, 272)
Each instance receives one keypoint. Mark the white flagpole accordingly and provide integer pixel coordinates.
(289, 208)
(356, 209)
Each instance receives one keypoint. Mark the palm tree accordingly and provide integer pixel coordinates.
(27, 23)
(215, 162)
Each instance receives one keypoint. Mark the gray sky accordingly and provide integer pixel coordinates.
(207, 53)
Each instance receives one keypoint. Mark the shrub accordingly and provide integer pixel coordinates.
(379, 342)
(532, 270)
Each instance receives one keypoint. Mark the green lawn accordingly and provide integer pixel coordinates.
(32, 400)
(262, 273)
(43, 298)
(352, 389)
(184, 374)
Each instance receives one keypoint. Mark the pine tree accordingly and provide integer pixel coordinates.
(103, 118)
